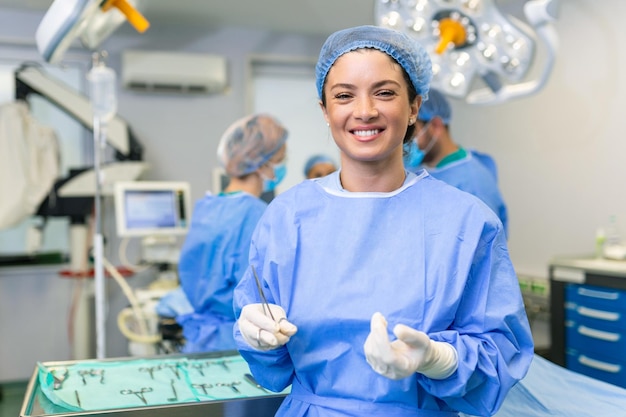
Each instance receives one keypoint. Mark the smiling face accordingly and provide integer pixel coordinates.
(367, 107)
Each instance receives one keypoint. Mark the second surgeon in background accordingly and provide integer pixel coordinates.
(434, 148)
(319, 166)
(215, 253)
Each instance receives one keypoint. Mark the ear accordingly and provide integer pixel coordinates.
(324, 112)
(415, 107)
(437, 125)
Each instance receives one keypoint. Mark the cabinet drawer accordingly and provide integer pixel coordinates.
(596, 318)
(596, 298)
(605, 342)
(596, 366)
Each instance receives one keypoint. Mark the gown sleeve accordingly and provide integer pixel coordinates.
(272, 369)
(490, 333)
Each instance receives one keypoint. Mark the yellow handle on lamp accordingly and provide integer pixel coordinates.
(452, 31)
(133, 16)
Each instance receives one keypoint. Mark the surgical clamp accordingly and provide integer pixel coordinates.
(258, 286)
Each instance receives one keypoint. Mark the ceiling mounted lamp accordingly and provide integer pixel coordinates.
(478, 54)
(91, 21)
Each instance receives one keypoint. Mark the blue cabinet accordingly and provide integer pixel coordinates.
(588, 317)
(595, 332)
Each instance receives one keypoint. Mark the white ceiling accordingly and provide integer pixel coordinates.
(297, 16)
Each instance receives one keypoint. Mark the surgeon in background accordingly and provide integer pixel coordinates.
(214, 255)
(319, 166)
(434, 148)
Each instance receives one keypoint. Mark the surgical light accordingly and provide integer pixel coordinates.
(478, 54)
(91, 21)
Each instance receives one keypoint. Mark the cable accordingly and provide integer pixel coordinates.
(136, 308)
(130, 335)
(124, 259)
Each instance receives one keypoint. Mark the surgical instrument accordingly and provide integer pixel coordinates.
(203, 387)
(59, 375)
(265, 303)
(175, 397)
(174, 369)
(230, 384)
(150, 370)
(139, 394)
(254, 382)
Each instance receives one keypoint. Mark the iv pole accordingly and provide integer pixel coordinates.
(104, 106)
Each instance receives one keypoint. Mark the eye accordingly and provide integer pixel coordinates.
(343, 96)
(386, 93)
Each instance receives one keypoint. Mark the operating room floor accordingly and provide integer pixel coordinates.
(11, 398)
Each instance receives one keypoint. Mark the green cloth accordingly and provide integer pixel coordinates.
(98, 385)
(454, 156)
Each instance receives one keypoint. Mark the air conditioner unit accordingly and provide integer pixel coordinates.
(174, 72)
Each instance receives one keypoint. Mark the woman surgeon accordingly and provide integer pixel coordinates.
(390, 293)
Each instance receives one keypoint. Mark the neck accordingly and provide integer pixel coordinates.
(379, 176)
(251, 184)
(444, 147)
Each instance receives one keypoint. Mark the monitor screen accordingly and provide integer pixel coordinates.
(148, 208)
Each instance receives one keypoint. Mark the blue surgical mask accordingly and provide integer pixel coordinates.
(280, 171)
(413, 156)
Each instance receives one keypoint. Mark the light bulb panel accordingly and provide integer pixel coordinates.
(492, 46)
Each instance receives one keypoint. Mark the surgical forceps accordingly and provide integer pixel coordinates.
(258, 286)
(174, 369)
(198, 367)
(203, 387)
(59, 374)
(150, 370)
(139, 394)
(91, 372)
(230, 384)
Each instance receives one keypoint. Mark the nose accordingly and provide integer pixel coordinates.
(365, 108)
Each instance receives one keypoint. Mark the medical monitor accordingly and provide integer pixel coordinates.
(152, 208)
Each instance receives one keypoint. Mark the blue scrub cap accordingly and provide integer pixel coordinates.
(249, 143)
(406, 51)
(436, 105)
(316, 159)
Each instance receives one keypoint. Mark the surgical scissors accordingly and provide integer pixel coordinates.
(258, 286)
(59, 374)
(203, 386)
(150, 370)
(139, 394)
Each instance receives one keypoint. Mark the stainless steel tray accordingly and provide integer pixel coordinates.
(253, 403)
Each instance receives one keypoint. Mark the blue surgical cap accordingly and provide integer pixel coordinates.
(249, 143)
(316, 159)
(436, 105)
(406, 51)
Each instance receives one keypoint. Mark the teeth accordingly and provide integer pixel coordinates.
(366, 132)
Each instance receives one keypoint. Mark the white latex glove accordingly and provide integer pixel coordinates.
(412, 352)
(260, 331)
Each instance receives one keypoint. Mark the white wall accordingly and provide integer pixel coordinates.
(561, 153)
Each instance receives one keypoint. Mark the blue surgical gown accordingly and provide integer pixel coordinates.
(426, 255)
(213, 259)
(475, 174)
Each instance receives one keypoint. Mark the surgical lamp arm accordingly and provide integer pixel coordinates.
(539, 13)
(30, 79)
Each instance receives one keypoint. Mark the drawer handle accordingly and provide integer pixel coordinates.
(603, 366)
(598, 334)
(598, 294)
(598, 314)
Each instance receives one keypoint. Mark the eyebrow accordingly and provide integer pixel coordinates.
(352, 86)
